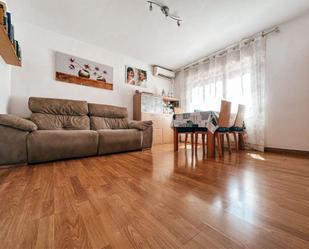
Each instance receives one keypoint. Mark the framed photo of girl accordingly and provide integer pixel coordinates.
(136, 76)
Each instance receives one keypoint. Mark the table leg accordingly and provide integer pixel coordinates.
(203, 143)
(210, 145)
(175, 139)
(222, 143)
(241, 141)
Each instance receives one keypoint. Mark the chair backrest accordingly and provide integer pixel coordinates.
(240, 116)
(225, 113)
(178, 110)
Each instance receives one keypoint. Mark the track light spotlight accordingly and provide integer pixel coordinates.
(166, 11)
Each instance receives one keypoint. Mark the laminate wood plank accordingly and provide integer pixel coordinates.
(79, 191)
(211, 239)
(95, 227)
(158, 199)
(45, 238)
(70, 231)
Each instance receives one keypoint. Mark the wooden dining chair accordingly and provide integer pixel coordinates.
(203, 132)
(224, 126)
(238, 127)
(188, 132)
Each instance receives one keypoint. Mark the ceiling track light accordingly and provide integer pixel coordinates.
(166, 11)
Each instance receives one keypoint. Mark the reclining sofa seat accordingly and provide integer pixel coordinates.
(62, 129)
(115, 131)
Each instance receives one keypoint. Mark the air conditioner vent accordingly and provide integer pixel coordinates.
(162, 72)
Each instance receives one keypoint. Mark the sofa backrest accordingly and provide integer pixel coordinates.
(58, 114)
(107, 117)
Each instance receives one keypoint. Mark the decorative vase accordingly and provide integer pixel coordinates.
(100, 78)
(84, 73)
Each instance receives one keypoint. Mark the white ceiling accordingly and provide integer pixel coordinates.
(127, 26)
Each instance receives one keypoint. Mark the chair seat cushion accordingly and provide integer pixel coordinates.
(223, 129)
(48, 145)
(185, 129)
(112, 141)
(237, 129)
(199, 129)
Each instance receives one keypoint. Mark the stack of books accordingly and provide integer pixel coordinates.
(6, 23)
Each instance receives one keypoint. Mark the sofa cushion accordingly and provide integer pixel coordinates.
(98, 123)
(49, 145)
(58, 106)
(59, 122)
(111, 141)
(107, 111)
(17, 122)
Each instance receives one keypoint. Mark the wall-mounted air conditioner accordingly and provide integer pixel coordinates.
(162, 72)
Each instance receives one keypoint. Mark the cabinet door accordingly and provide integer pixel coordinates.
(167, 119)
(168, 134)
(157, 136)
(155, 118)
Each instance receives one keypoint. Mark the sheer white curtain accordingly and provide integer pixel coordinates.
(237, 76)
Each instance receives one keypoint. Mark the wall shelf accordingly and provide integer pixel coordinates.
(7, 50)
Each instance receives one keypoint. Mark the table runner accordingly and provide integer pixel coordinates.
(207, 119)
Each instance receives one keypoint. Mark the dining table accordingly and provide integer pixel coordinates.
(200, 121)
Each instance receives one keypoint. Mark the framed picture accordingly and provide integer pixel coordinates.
(72, 69)
(136, 76)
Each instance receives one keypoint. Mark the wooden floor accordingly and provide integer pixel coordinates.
(157, 199)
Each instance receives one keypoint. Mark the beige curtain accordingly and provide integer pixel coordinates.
(238, 76)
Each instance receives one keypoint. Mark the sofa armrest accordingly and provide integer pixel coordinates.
(147, 136)
(16, 122)
(147, 130)
(13, 145)
(139, 125)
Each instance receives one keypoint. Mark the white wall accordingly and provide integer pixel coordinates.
(287, 86)
(5, 84)
(36, 77)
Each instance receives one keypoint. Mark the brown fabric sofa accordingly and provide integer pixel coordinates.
(62, 129)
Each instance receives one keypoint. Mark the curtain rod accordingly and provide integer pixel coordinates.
(224, 50)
